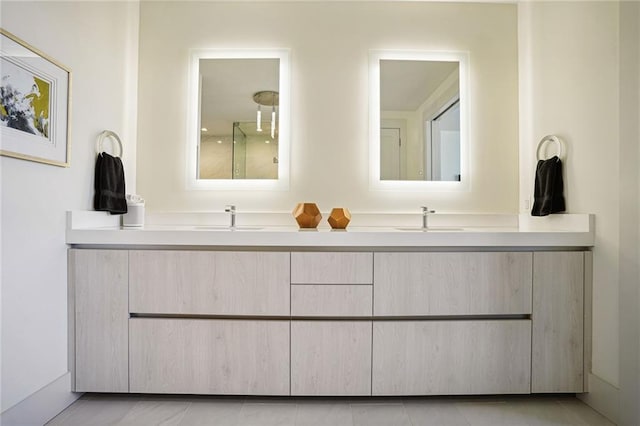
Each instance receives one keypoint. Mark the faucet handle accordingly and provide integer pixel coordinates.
(425, 210)
(230, 208)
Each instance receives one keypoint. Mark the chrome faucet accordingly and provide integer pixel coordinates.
(231, 209)
(425, 214)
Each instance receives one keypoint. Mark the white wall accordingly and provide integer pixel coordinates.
(629, 175)
(329, 45)
(98, 41)
(579, 72)
(573, 80)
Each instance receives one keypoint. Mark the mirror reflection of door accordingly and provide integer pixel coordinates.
(424, 95)
(390, 145)
(445, 143)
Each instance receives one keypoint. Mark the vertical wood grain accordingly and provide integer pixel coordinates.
(331, 357)
(99, 280)
(452, 283)
(558, 317)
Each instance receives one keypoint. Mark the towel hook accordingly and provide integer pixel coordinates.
(107, 134)
(551, 138)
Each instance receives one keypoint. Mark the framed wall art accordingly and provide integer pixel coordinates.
(35, 104)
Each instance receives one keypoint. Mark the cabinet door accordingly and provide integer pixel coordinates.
(452, 283)
(236, 357)
(451, 357)
(331, 358)
(209, 283)
(331, 268)
(98, 282)
(558, 319)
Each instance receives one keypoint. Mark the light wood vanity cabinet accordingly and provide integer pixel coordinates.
(204, 356)
(209, 283)
(451, 357)
(99, 323)
(331, 268)
(480, 283)
(331, 300)
(463, 353)
(328, 323)
(330, 357)
(331, 284)
(558, 322)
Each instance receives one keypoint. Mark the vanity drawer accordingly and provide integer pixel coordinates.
(483, 283)
(331, 268)
(331, 300)
(451, 357)
(209, 283)
(209, 356)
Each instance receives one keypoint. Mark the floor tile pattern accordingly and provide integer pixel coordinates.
(151, 410)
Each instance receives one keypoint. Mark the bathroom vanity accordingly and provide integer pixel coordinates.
(292, 314)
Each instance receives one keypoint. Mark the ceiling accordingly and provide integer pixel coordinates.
(227, 91)
(228, 86)
(405, 85)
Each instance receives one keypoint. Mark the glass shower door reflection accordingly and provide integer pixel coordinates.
(239, 152)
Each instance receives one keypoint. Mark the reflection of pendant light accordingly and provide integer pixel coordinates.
(273, 122)
(266, 98)
(259, 120)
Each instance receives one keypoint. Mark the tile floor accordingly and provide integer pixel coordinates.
(143, 410)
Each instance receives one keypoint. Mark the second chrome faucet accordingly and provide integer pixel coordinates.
(425, 215)
(232, 210)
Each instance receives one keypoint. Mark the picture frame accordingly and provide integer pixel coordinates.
(35, 104)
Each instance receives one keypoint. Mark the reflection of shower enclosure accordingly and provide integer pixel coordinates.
(239, 152)
(244, 154)
(445, 144)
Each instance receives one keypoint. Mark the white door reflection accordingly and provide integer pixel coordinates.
(390, 145)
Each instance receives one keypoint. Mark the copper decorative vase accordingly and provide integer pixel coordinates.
(307, 215)
(339, 218)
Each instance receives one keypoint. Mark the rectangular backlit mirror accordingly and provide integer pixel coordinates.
(239, 119)
(418, 112)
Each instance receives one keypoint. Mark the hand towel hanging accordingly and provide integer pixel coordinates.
(109, 181)
(548, 190)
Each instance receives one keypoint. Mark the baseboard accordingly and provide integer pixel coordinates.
(41, 406)
(602, 397)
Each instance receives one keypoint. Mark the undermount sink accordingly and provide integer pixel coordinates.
(228, 228)
(438, 229)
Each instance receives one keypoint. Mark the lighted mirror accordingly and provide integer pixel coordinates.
(239, 119)
(419, 120)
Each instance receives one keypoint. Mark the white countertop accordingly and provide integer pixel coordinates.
(98, 229)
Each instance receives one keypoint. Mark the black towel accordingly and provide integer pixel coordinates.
(109, 185)
(548, 197)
